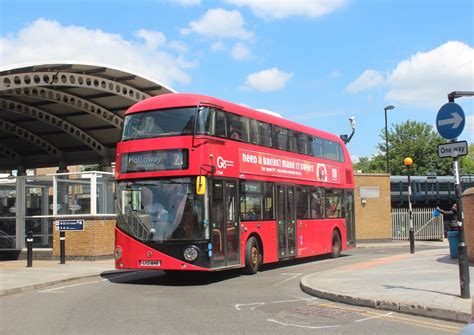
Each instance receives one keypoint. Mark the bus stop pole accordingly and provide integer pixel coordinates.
(408, 161)
(29, 249)
(62, 247)
(464, 277)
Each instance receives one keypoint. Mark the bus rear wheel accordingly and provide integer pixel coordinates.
(252, 256)
(336, 245)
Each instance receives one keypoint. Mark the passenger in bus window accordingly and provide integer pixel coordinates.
(252, 216)
(234, 134)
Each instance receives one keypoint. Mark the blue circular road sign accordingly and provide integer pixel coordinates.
(450, 120)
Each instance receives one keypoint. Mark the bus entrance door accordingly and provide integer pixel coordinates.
(349, 214)
(225, 223)
(286, 219)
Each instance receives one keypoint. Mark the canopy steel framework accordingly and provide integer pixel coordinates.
(65, 114)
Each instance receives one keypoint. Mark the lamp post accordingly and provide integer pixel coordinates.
(386, 134)
(408, 162)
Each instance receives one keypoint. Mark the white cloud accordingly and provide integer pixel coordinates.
(219, 23)
(240, 51)
(426, 78)
(282, 9)
(469, 128)
(153, 39)
(368, 79)
(49, 41)
(267, 80)
(218, 46)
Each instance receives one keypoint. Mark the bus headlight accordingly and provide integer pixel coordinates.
(191, 253)
(118, 253)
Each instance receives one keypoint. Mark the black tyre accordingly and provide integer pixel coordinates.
(252, 256)
(336, 244)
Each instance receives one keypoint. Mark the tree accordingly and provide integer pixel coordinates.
(466, 163)
(412, 139)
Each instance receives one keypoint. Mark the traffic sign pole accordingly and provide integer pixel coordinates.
(450, 124)
(464, 278)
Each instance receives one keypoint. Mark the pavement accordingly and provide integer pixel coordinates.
(425, 283)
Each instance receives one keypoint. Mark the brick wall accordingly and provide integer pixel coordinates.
(97, 239)
(468, 209)
(373, 219)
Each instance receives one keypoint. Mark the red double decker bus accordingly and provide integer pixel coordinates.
(204, 184)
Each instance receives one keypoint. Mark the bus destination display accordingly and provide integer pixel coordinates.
(159, 160)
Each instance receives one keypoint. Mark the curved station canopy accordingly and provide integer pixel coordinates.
(65, 114)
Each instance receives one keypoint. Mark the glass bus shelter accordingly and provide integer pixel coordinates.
(34, 203)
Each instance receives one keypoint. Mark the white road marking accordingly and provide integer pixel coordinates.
(68, 286)
(300, 326)
(256, 304)
(293, 276)
(259, 304)
(374, 317)
(294, 300)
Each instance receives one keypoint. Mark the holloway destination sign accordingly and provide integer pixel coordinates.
(450, 120)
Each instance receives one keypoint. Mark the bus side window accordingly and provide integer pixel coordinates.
(302, 203)
(330, 150)
(265, 134)
(280, 138)
(309, 145)
(269, 213)
(317, 147)
(245, 129)
(292, 139)
(301, 143)
(333, 203)
(254, 133)
(205, 121)
(238, 129)
(317, 203)
(220, 124)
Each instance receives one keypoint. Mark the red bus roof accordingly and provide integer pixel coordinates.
(186, 100)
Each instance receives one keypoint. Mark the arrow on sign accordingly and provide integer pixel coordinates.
(455, 121)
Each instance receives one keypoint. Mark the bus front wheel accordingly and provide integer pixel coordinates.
(252, 256)
(336, 244)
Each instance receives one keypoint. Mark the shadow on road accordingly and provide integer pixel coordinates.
(161, 278)
(294, 262)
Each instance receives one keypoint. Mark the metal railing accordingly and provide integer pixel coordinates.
(425, 225)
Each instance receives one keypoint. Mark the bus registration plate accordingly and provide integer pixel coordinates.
(150, 263)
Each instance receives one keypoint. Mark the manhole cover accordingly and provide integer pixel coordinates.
(326, 312)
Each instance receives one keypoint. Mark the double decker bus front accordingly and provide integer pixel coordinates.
(162, 221)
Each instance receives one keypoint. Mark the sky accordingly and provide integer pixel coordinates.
(316, 62)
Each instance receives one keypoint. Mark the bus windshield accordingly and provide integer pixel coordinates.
(161, 210)
(166, 122)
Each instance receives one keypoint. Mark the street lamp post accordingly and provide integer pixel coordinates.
(386, 134)
(408, 162)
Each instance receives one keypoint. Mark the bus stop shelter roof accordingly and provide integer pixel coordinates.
(65, 114)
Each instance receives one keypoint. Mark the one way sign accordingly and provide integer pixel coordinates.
(450, 120)
(453, 149)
